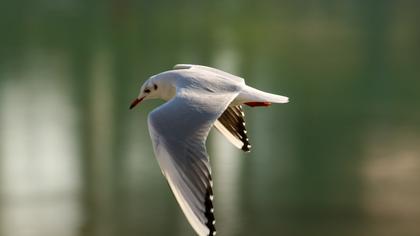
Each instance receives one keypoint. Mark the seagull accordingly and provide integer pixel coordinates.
(197, 98)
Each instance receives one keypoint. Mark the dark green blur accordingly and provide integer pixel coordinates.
(342, 158)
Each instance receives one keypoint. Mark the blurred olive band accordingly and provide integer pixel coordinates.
(342, 158)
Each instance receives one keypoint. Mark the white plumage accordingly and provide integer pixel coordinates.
(198, 98)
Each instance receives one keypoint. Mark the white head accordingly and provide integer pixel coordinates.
(157, 86)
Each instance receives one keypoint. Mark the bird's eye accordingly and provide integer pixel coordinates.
(147, 90)
(155, 86)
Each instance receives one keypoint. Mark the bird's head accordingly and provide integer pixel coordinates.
(149, 90)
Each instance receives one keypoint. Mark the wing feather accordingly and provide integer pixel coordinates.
(179, 130)
(232, 125)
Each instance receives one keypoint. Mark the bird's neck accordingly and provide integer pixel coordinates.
(168, 90)
(168, 94)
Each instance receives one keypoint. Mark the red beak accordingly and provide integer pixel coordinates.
(135, 102)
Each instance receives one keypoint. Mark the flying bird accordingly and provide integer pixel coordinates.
(198, 98)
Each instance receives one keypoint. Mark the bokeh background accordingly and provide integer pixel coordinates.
(342, 158)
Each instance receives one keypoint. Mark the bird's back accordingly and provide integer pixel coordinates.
(201, 80)
(210, 70)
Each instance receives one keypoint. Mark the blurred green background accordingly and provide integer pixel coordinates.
(342, 158)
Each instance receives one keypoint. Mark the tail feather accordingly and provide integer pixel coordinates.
(249, 94)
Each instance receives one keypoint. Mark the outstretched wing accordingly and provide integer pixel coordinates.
(232, 125)
(179, 130)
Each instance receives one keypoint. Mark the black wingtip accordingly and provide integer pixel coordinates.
(246, 147)
(209, 212)
(233, 119)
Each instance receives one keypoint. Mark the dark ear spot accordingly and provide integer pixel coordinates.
(155, 86)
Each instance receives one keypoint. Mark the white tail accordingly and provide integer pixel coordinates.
(249, 94)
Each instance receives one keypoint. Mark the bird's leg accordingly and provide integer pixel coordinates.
(258, 104)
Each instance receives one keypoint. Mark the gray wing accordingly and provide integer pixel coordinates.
(232, 125)
(179, 130)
